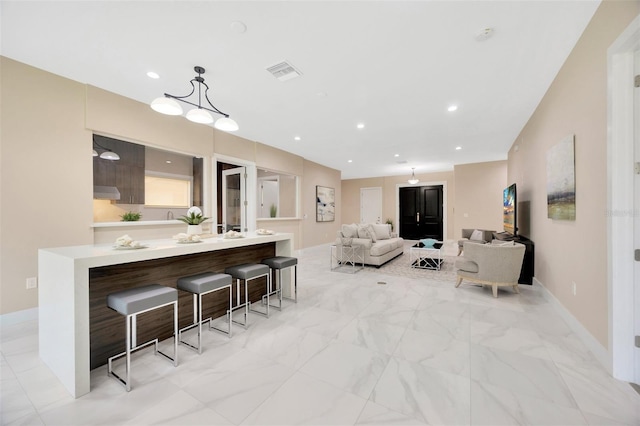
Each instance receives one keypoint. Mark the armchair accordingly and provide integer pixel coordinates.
(497, 265)
(487, 236)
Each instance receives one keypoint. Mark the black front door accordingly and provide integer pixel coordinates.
(421, 212)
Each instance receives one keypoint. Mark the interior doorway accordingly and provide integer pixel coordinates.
(623, 202)
(371, 205)
(421, 212)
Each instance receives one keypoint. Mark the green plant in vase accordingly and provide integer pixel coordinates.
(390, 222)
(130, 217)
(194, 221)
(273, 210)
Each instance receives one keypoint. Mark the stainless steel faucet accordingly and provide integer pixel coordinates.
(169, 215)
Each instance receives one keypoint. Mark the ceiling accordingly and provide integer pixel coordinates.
(395, 66)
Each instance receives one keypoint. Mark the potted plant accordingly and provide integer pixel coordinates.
(194, 221)
(390, 222)
(130, 217)
(273, 210)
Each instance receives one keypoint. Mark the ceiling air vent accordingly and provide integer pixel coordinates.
(284, 71)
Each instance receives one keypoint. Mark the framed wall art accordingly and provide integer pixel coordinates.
(325, 204)
(561, 180)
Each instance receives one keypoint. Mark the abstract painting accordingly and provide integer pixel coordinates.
(325, 204)
(561, 180)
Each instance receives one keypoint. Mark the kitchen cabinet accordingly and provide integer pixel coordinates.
(126, 174)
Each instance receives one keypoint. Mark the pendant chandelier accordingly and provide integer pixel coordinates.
(200, 114)
(413, 179)
(106, 154)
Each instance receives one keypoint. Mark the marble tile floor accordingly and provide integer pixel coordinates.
(358, 349)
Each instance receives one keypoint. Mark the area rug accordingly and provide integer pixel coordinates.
(401, 266)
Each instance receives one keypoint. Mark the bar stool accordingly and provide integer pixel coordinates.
(133, 302)
(248, 272)
(199, 285)
(280, 263)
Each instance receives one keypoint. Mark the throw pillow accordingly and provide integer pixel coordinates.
(502, 243)
(428, 242)
(382, 231)
(366, 231)
(476, 235)
(350, 231)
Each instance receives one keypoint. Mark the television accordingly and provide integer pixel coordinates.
(510, 209)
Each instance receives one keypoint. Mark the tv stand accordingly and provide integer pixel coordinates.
(527, 271)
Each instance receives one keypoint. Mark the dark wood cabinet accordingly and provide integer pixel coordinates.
(198, 175)
(126, 174)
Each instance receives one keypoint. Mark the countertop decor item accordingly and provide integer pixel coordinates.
(194, 220)
(264, 232)
(125, 242)
(187, 238)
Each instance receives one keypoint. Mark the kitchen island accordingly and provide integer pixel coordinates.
(77, 332)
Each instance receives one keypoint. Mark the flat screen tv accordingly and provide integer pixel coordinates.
(509, 209)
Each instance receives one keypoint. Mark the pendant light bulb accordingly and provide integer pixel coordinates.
(198, 115)
(226, 124)
(166, 106)
(110, 155)
(413, 180)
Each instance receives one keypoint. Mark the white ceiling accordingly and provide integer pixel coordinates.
(393, 65)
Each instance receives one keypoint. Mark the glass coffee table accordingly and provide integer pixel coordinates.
(426, 257)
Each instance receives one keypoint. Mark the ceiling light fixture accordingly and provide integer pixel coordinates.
(360, 126)
(297, 138)
(153, 75)
(413, 180)
(168, 105)
(458, 148)
(452, 108)
(106, 154)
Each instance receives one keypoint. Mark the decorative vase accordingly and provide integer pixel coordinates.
(194, 229)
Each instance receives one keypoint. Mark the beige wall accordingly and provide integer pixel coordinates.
(316, 233)
(478, 196)
(390, 184)
(46, 168)
(576, 103)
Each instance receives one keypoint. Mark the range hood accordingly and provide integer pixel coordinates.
(105, 193)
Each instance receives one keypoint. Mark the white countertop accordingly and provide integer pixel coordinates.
(106, 254)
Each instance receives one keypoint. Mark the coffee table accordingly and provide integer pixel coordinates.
(426, 257)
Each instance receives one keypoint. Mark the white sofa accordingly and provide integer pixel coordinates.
(380, 245)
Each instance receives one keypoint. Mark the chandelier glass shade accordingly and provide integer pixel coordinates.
(200, 114)
(413, 179)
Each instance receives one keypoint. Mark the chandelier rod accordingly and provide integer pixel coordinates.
(200, 80)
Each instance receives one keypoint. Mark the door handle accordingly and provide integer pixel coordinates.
(417, 216)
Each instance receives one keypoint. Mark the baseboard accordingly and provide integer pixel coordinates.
(600, 352)
(19, 316)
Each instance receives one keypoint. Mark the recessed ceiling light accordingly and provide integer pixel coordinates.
(452, 108)
(153, 75)
(360, 126)
(349, 161)
(168, 161)
(458, 148)
(297, 138)
(397, 155)
(238, 27)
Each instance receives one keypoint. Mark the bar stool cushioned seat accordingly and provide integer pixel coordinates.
(280, 263)
(138, 300)
(247, 272)
(199, 285)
